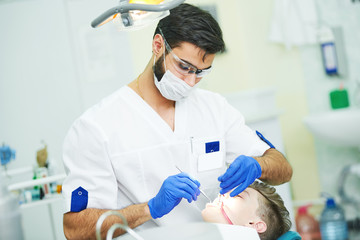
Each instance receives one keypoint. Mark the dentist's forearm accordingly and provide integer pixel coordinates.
(275, 168)
(81, 225)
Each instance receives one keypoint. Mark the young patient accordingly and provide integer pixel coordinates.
(258, 206)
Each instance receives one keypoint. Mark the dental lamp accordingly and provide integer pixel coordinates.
(135, 14)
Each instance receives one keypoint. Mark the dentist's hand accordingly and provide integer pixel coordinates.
(241, 173)
(173, 189)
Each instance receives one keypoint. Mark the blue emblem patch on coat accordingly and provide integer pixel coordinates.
(79, 199)
(212, 147)
(265, 140)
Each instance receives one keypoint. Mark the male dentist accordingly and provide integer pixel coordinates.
(124, 153)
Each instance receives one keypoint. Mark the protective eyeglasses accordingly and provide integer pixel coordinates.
(220, 199)
(225, 215)
(183, 67)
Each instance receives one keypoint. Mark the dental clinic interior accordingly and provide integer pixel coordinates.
(291, 67)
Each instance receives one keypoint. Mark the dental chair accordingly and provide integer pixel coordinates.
(290, 235)
(195, 230)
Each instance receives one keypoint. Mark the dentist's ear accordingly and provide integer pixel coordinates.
(260, 226)
(157, 44)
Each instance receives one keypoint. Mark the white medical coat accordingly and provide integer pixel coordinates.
(120, 151)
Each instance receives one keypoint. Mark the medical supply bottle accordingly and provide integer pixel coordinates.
(333, 225)
(328, 50)
(306, 225)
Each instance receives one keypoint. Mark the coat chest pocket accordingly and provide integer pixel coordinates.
(208, 153)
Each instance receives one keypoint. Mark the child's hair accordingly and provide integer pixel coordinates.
(272, 211)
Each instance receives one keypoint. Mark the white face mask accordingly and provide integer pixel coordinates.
(171, 87)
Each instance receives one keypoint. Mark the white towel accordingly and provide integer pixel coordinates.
(294, 23)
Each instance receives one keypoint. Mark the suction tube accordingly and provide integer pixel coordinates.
(353, 169)
(115, 226)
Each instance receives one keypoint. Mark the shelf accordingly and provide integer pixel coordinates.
(47, 200)
(36, 182)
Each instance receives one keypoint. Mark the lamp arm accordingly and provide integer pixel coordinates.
(124, 7)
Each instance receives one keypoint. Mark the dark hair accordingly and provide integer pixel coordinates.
(272, 211)
(187, 23)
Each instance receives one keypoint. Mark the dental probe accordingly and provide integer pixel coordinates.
(201, 191)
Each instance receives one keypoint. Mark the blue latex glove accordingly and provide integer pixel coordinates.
(173, 189)
(241, 173)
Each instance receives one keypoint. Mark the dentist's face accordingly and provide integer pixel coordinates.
(188, 53)
(241, 209)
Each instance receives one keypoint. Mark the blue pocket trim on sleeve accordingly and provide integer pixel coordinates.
(265, 140)
(212, 147)
(79, 199)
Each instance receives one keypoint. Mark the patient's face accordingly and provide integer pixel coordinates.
(240, 209)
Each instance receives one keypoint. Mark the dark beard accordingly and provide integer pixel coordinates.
(158, 68)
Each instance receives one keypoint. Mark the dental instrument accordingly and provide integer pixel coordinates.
(201, 191)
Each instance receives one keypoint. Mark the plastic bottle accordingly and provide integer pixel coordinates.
(328, 50)
(306, 224)
(333, 225)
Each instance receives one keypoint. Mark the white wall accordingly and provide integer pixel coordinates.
(39, 96)
(52, 69)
